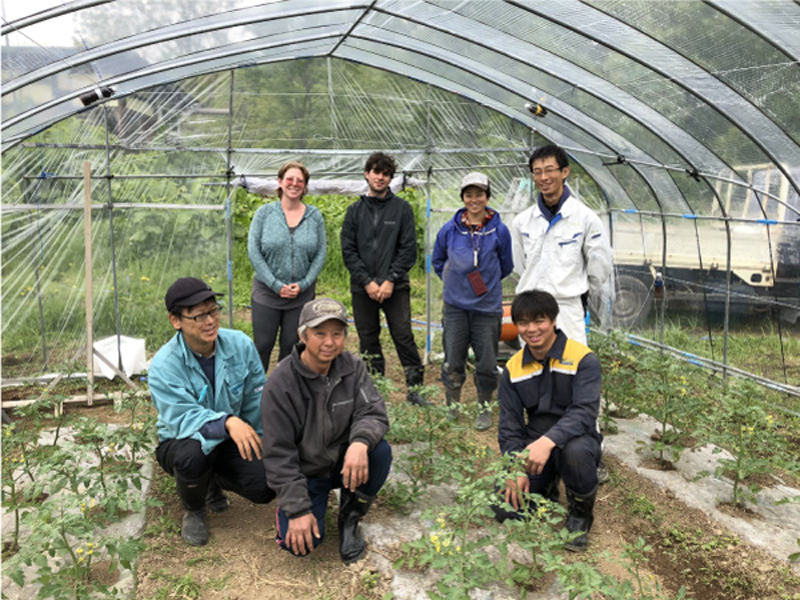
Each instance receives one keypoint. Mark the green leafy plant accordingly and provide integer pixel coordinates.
(665, 388)
(619, 378)
(65, 490)
(739, 423)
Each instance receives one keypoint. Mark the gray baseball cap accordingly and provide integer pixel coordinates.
(319, 310)
(477, 179)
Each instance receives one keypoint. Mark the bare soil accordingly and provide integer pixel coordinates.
(242, 560)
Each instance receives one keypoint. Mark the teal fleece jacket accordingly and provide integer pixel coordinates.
(182, 393)
(280, 257)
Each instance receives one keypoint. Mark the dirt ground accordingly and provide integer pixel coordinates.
(242, 560)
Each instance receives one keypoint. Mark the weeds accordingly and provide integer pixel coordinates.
(64, 496)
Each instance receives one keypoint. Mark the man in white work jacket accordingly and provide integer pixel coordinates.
(559, 244)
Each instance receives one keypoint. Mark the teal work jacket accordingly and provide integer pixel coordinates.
(183, 395)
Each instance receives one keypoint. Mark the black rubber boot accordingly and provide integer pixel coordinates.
(352, 507)
(194, 529)
(484, 420)
(452, 397)
(580, 518)
(216, 500)
(415, 376)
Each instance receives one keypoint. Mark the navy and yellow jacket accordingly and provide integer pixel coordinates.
(559, 398)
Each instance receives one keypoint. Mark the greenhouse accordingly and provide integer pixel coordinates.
(138, 138)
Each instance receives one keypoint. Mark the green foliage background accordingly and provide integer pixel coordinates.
(334, 280)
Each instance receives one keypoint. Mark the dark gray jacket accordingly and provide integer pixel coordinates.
(309, 420)
(379, 241)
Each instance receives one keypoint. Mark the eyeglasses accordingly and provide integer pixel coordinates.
(549, 171)
(294, 181)
(201, 318)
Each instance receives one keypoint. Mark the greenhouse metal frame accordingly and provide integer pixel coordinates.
(682, 118)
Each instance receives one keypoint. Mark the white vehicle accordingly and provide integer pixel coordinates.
(764, 256)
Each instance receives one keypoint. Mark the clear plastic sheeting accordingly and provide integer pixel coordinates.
(339, 187)
(680, 119)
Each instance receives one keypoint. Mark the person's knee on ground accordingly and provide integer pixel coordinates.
(319, 511)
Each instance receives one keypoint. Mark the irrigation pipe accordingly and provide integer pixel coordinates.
(716, 366)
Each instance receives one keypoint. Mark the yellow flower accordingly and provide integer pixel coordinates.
(682, 391)
(79, 550)
(683, 380)
(91, 505)
(144, 278)
(458, 548)
(434, 538)
(446, 543)
(90, 552)
(751, 430)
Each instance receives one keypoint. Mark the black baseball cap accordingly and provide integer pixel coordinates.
(188, 291)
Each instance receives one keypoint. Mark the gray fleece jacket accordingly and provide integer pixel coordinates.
(309, 420)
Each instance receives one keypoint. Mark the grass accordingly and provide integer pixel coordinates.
(184, 587)
(754, 346)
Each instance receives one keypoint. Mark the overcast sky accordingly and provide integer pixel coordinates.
(55, 32)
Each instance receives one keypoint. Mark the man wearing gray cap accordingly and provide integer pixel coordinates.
(206, 384)
(323, 424)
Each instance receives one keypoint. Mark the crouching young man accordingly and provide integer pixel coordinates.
(549, 400)
(324, 424)
(206, 383)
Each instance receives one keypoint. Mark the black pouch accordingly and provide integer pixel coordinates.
(476, 281)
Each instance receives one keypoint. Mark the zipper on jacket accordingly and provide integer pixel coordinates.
(375, 257)
(291, 245)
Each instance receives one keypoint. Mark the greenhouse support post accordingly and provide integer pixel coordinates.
(110, 207)
(87, 237)
(37, 252)
(428, 233)
(228, 193)
(332, 103)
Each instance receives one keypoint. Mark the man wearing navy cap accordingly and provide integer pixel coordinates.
(206, 383)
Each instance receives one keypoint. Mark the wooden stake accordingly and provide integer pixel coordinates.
(89, 299)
